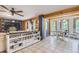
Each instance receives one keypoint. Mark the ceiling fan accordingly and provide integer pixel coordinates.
(12, 11)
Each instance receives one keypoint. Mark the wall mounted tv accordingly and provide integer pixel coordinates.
(9, 24)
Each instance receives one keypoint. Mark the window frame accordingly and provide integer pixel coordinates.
(68, 23)
(74, 24)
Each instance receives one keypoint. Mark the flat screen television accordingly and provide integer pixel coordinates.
(9, 24)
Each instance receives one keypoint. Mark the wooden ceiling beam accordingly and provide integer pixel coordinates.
(60, 12)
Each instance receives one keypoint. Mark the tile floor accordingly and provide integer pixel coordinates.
(52, 45)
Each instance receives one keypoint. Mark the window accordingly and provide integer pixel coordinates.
(77, 26)
(34, 25)
(64, 25)
(53, 25)
(58, 25)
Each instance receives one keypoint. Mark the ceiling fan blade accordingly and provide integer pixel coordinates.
(19, 14)
(2, 11)
(18, 11)
(4, 7)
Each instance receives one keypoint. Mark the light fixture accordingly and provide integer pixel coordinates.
(13, 21)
